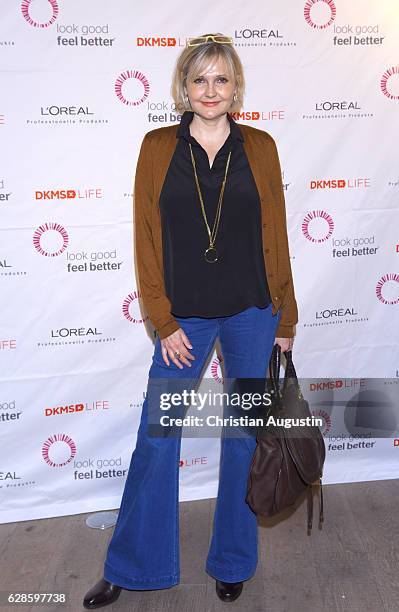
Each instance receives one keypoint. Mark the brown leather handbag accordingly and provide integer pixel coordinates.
(286, 461)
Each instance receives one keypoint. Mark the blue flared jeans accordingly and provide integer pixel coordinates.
(143, 552)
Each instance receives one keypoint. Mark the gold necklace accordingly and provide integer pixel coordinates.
(211, 254)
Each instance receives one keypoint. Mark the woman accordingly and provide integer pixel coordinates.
(213, 261)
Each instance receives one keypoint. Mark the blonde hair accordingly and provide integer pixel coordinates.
(190, 63)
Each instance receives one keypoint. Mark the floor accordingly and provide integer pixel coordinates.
(352, 564)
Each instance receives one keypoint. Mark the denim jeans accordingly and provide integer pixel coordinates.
(144, 550)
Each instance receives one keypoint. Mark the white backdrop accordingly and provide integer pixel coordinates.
(81, 83)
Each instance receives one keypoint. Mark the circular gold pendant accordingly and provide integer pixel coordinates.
(211, 255)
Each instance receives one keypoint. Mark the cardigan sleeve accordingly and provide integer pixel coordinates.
(150, 278)
(289, 314)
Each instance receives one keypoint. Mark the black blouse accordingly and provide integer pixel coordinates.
(237, 280)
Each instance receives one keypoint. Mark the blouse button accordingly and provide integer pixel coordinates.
(266, 250)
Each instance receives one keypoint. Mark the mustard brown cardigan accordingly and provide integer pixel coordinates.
(156, 152)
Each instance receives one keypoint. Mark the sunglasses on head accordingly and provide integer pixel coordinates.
(200, 40)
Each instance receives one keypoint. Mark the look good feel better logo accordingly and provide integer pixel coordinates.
(131, 308)
(40, 14)
(317, 226)
(390, 83)
(132, 87)
(50, 239)
(319, 14)
(387, 289)
(58, 450)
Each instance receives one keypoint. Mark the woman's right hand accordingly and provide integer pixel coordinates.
(177, 342)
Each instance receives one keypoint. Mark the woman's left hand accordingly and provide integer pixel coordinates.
(286, 344)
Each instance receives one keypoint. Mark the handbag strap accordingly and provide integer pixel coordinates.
(290, 370)
(310, 506)
(290, 373)
(274, 369)
(275, 362)
(321, 508)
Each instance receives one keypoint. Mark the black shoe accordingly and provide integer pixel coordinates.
(102, 594)
(228, 591)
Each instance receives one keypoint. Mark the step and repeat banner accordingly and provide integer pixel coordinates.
(81, 83)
